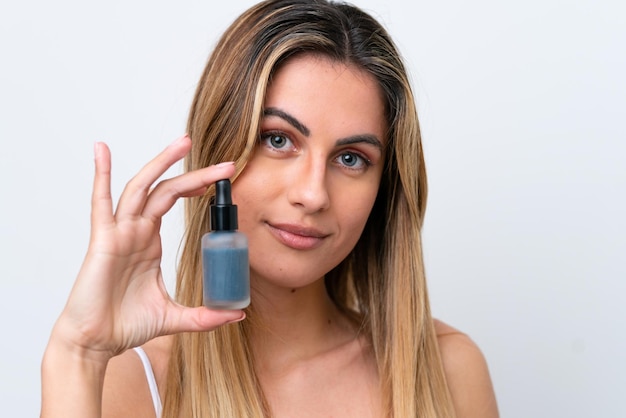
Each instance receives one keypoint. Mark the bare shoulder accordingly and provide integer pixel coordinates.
(467, 373)
(126, 392)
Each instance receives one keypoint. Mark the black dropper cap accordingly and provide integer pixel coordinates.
(223, 213)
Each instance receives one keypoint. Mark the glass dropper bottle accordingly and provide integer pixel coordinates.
(226, 271)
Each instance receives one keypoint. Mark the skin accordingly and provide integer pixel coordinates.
(119, 300)
(302, 169)
(303, 201)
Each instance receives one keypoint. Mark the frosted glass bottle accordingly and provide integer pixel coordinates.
(226, 271)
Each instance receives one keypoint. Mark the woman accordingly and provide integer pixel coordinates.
(311, 102)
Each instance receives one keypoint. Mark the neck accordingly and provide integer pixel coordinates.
(296, 325)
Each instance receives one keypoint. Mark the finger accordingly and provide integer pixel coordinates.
(165, 194)
(101, 203)
(198, 192)
(186, 319)
(136, 191)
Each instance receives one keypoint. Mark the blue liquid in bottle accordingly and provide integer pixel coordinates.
(226, 282)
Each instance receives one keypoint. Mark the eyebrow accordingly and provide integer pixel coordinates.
(272, 111)
(355, 139)
(363, 138)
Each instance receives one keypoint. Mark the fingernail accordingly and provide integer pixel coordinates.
(180, 139)
(241, 318)
(225, 164)
(96, 149)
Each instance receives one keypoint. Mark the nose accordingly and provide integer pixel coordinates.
(308, 189)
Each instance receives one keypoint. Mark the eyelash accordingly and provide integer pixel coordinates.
(265, 137)
(365, 161)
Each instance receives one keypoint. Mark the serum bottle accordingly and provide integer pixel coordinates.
(226, 272)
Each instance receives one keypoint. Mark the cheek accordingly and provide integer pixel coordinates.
(253, 192)
(245, 193)
(354, 208)
(248, 187)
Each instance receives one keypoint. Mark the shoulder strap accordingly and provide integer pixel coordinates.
(152, 384)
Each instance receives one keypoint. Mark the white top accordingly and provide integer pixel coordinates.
(152, 384)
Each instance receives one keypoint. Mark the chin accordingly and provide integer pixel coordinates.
(285, 277)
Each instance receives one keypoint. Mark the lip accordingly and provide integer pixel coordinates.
(298, 237)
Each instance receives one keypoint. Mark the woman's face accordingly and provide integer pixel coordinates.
(307, 192)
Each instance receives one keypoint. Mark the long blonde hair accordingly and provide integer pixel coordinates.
(381, 282)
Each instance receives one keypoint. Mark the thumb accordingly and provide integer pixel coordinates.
(202, 319)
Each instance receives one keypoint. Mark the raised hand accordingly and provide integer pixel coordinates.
(119, 299)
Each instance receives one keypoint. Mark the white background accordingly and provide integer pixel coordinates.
(522, 106)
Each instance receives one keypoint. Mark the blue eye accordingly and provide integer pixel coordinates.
(353, 161)
(349, 160)
(277, 141)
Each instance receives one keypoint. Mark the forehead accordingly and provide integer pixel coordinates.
(316, 88)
